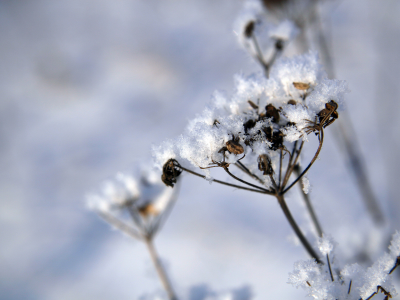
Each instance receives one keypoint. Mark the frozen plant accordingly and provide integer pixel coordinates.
(138, 207)
(330, 281)
(261, 129)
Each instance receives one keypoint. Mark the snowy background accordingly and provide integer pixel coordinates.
(87, 87)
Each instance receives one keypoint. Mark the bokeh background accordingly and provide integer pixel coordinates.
(86, 87)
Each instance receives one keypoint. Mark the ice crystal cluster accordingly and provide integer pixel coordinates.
(262, 115)
(349, 282)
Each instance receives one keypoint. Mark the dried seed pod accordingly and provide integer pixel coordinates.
(274, 137)
(234, 147)
(275, 4)
(272, 112)
(279, 44)
(216, 122)
(292, 102)
(248, 125)
(147, 210)
(252, 104)
(171, 171)
(301, 86)
(264, 164)
(249, 29)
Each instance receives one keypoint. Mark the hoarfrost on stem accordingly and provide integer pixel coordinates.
(356, 282)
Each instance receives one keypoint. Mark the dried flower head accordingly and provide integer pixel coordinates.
(261, 117)
(143, 199)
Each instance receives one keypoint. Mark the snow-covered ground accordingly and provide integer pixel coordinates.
(87, 87)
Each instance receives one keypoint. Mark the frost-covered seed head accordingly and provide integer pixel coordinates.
(262, 116)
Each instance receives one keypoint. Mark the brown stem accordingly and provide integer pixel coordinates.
(159, 268)
(120, 225)
(296, 228)
(248, 183)
(226, 183)
(321, 140)
(290, 171)
(280, 168)
(345, 134)
(329, 266)
(309, 206)
(241, 166)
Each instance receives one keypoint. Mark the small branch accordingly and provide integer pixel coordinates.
(241, 166)
(278, 48)
(296, 228)
(159, 268)
(120, 225)
(321, 135)
(397, 263)
(346, 133)
(348, 293)
(309, 205)
(280, 168)
(290, 171)
(245, 182)
(329, 265)
(228, 184)
(289, 166)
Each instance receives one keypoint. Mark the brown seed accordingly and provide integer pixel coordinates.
(147, 210)
(234, 147)
(248, 125)
(292, 102)
(249, 29)
(301, 86)
(252, 104)
(264, 164)
(272, 112)
(171, 171)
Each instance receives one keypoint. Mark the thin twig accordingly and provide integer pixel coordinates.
(248, 183)
(296, 228)
(351, 281)
(290, 171)
(289, 163)
(120, 225)
(321, 136)
(280, 168)
(345, 133)
(241, 166)
(160, 270)
(309, 206)
(228, 184)
(329, 266)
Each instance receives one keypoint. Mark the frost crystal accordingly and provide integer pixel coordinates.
(306, 184)
(326, 244)
(356, 282)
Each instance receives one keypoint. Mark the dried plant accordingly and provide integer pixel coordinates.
(257, 136)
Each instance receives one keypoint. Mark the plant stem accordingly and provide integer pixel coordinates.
(241, 166)
(160, 270)
(245, 182)
(321, 137)
(345, 133)
(309, 206)
(296, 228)
(329, 265)
(120, 225)
(228, 184)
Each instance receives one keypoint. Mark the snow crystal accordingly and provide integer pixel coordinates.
(306, 184)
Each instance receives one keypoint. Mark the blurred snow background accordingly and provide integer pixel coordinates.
(87, 86)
